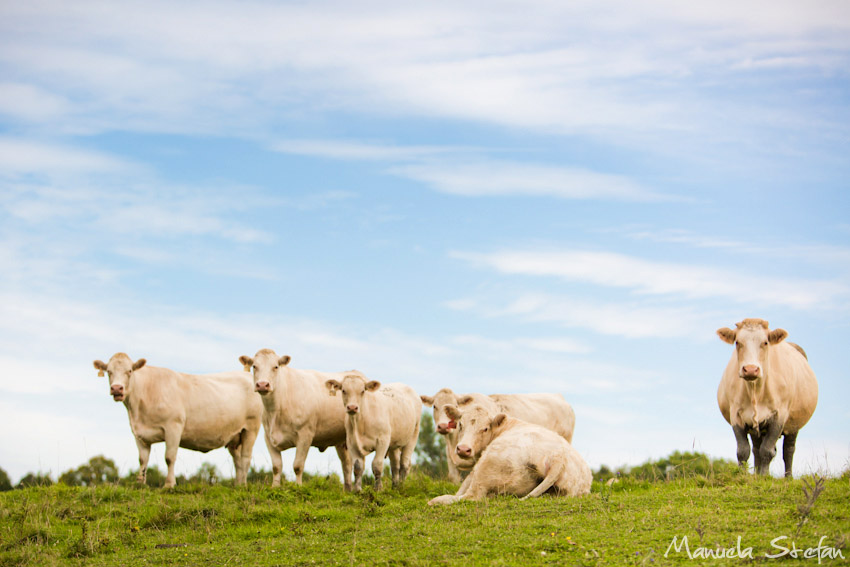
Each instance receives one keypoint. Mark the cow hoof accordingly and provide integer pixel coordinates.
(444, 499)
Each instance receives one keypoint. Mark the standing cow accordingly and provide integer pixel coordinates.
(383, 419)
(548, 410)
(297, 412)
(197, 412)
(768, 389)
(511, 456)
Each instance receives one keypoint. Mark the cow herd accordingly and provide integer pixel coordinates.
(518, 444)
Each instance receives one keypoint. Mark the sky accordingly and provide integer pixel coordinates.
(492, 196)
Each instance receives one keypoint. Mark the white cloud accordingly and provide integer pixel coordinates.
(495, 177)
(647, 277)
(31, 103)
(18, 157)
(351, 150)
(623, 319)
(228, 69)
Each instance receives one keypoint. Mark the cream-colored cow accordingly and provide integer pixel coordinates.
(297, 412)
(768, 390)
(197, 412)
(383, 419)
(548, 410)
(511, 456)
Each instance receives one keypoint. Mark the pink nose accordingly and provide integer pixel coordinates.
(464, 451)
(352, 408)
(262, 387)
(442, 428)
(751, 371)
(116, 389)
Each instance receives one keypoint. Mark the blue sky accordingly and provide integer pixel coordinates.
(490, 197)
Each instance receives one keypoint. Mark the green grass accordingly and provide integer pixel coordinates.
(628, 523)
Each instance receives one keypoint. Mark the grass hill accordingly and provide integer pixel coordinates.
(625, 522)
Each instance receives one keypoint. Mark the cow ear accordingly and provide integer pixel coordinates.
(777, 336)
(498, 421)
(284, 360)
(452, 411)
(427, 400)
(726, 335)
(247, 362)
(463, 400)
(333, 386)
(100, 367)
(139, 363)
(372, 385)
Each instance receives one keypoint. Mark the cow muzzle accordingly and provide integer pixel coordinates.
(464, 451)
(444, 428)
(262, 387)
(750, 372)
(352, 409)
(117, 392)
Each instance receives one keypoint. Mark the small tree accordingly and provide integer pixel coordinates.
(5, 483)
(431, 449)
(207, 474)
(35, 479)
(99, 470)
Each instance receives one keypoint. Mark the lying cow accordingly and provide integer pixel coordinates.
(197, 412)
(768, 390)
(507, 455)
(383, 419)
(548, 410)
(297, 412)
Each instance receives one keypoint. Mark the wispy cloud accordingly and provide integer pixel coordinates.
(20, 156)
(501, 178)
(463, 171)
(360, 151)
(619, 319)
(678, 280)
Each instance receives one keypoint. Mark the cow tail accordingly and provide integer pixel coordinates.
(554, 472)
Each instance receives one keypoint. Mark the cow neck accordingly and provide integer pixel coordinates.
(283, 391)
(353, 425)
(757, 394)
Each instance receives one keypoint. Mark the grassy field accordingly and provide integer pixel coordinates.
(627, 523)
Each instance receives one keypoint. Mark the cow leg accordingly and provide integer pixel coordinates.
(789, 444)
(381, 449)
(345, 461)
(768, 444)
(407, 456)
(757, 439)
(236, 454)
(358, 473)
(277, 461)
(246, 450)
(395, 465)
(172, 443)
(144, 456)
(453, 472)
(743, 445)
(302, 446)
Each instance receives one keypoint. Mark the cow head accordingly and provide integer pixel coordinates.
(752, 339)
(438, 402)
(266, 366)
(120, 369)
(353, 388)
(476, 428)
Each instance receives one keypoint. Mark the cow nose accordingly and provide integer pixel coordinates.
(261, 387)
(464, 451)
(442, 428)
(116, 389)
(751, 371)
(352, 408)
